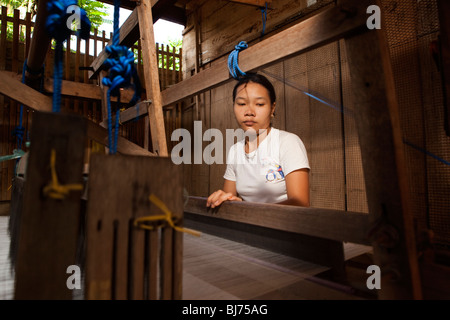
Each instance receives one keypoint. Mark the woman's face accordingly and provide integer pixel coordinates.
(252, 107)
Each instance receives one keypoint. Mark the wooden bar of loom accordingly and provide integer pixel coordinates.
(123, 260)
(49, 226)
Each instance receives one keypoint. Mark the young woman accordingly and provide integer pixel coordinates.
(269, 165)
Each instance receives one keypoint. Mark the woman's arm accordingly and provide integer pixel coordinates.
(297, 187)
(228, 193)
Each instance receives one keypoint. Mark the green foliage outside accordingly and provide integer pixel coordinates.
(173, 44)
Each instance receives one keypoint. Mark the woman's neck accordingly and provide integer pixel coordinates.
(252, 142)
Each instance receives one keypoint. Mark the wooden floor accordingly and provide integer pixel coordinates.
(215, 268)
(6, 276)
(219, 269)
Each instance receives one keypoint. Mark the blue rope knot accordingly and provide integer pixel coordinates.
(58, 14)
(120, 64)
(19, 132)
(233, 59)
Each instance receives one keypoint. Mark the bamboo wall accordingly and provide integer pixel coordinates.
(12, 55)
(329, 134)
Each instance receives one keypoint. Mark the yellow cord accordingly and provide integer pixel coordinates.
(167, 217)
(54, 189)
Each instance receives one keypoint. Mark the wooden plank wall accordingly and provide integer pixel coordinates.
(13, 52)
(330, 136)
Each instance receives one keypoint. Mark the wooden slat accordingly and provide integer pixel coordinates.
(3, 38)
(334, 23)
(15, 41)
(177, 280)
(166, 264)
(323, 223)
(152, 281)
(27, 33)
(49, 227)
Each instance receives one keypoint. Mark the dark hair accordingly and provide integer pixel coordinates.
(256, 78)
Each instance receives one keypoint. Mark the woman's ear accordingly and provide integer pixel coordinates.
(273, 110)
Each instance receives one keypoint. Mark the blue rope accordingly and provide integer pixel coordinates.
(233, 60)
(57, 77)
(264, 18)
(121, 71)
(56, 26)
(19, 130)
(426, 152)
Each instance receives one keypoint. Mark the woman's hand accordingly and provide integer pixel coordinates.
(220, 196)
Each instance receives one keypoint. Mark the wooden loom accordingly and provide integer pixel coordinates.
(388, 227)
(49, 228)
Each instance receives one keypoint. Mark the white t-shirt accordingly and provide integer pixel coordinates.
(260, 175)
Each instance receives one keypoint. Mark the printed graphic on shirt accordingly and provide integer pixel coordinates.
(275, 174)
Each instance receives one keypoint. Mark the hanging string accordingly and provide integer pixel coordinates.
(19, 130)
(56, 26)
(264, 18)
(167, 216)
(121, 71)
(233, 60)
(54, 189)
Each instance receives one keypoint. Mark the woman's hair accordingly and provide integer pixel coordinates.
(256, 78)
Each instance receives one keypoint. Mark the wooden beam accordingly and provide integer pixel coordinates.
(257, 3)
(20, 92)
(75, 89)
(444, 19)
(37, 101)
(40, 42)
(132, 113)
(151, 75)
(380, 136)
(85, 90)
(261, 225)
(323, 223)
(323, 28)
(124, 146)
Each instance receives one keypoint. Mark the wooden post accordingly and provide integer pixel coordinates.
(49, 227)
(380, 137)
(122, 259)
(40, 42)
(151, 75)
(444, 19)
